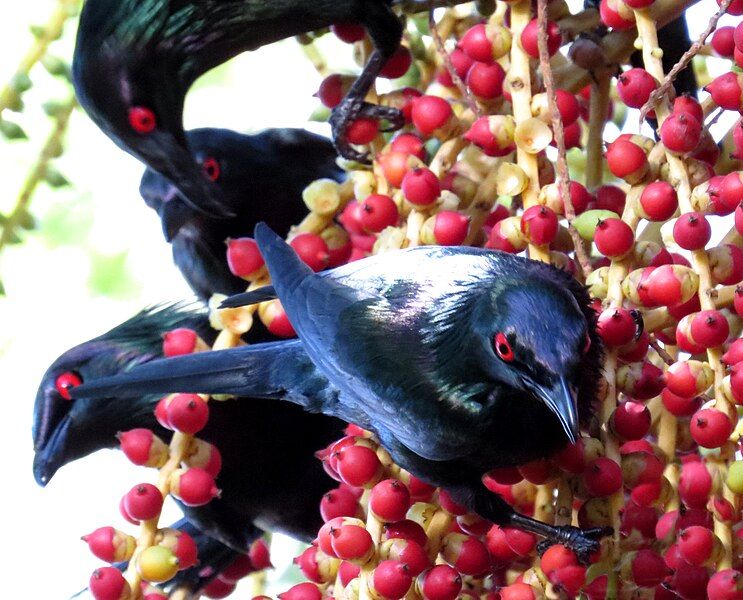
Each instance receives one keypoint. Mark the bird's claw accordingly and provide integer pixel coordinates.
(583, 542)
(349, 110)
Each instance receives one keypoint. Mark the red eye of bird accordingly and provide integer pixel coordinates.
(65, 382)
(142, 119)
(212, 168)
(503, 348)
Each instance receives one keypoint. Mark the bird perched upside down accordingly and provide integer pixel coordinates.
(135, 60)
(460, 360)
(260, 178)
(270, 478)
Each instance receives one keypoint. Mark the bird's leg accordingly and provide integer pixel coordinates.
(386, 31)
(583, 542)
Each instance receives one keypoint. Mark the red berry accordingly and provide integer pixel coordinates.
(725, 585)
(397, 64)
(421, 187)
(193, 486)
(635, 86)
(348, 32)
(681, 133)
(610, 197)
(710, 428)
(729, 192)
(351, 542)
(485, 80)
(616, 326)
(238, 569)
(690, 106)
(723, 41)
(692, 231)
(332, 89)
(274, 317)
(259, 554)
(441, 582)
(359, 466)
(449, 229)
(476, 44)
(518, 591)
(658, 201)
(709, 328)
(603, 477)
(312, 249)
(611, 18)
(530, 34)
(648, 569)
(180, 341)
(143, 502)
(696, 545)
(557, 557)
(302, 591)
(377, 212)
(409, 143)
(389, 500)
(244, 258)
(467, 554)
(430, 113)
(493, 135)
(142, 447)
(362, 130)
(391, 579)
(679, 406)
(408, 530)
(613, 237)
(101, 543)
(108, 583)
(217, 588)
(631, 420)
(187, 413)
(726, 91)
(539, 225)
(626, 160)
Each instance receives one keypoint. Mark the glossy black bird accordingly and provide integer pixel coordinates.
(260, 178)
(135, 60)
(458, 359)
(270, 478)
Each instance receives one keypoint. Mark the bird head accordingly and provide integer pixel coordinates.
(136, 97)
(537, 335)
(65, 428)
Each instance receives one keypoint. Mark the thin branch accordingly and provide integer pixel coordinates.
(683, 62)
(563, 176)
(660, 351)
(450, 67)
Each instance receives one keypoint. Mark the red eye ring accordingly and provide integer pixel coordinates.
(503, 347)
(65, 382)
(142, 119)
(212, 168)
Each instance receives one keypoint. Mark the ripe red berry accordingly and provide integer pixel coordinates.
(421, 186)
(493, 135)
(143, 448)
(302, 591)
(709, 328)
(627, 160)
(238, 569)
(692, 231)
(362, 130)
(690, 106)
(244, 258)
(339, 502)
(648, 569)
(408, 530)
(193, 486)
(613, 237)
(332, 89)
(530, 34)
(461, 62)
(312, 249)
(518, 591)
(391, 580)
(476, 44)
(181, 341)
(274, 317)
(359, 466)
(348, 32)
(181, 545)
(485, 80)
(430, 113)
(143, 502)
(658, 201)
(467, 554)
(397, 64)
(445, 228)
(539, 225)
(696, 545)
(409, 143)
(351, 542)
(635, 86)
(603, 477)
(617, 326)
(217, 588)
(725, 585)
(631, 420)
(679, 406)
(726, 91)
(187, 413)
(681, 133)
(441, 582)
(610, 197)
(408, 552)
(377, 212)
(259, 554)
(389, 500)
(557, 557)
(723, 42)
(710, 428)
(108, 583)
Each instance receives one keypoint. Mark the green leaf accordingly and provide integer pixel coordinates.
(21, 82)
(53, 107)
(15, 103)
(54, 178)
(110, 276)
(26, 220)
(57, 67)
(13, 237)
(321, 114)
(12, 131)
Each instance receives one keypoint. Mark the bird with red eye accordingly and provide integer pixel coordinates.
(65, 382)
(212, 168)
(142, 119)
(503, 347)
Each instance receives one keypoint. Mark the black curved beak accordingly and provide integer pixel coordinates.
(561, 400)
(50, 457)
(174, 214)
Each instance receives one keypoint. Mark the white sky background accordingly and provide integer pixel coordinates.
(48, 309)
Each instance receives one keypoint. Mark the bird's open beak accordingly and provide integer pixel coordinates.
(561, 400)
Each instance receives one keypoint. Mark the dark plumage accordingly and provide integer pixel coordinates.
(260, 178)
(270, 479)
(458, 359)
(135, 60)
